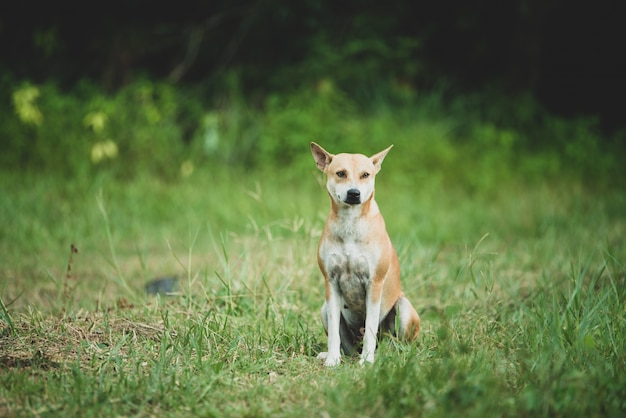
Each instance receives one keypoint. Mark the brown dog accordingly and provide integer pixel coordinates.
(358, 261)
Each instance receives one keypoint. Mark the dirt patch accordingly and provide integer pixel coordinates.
(37, 361)
(48, 343)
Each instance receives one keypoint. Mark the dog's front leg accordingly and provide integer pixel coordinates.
(372, 320)
(333, 318)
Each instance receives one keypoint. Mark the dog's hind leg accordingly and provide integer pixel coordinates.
(402, 321)
(408, 319)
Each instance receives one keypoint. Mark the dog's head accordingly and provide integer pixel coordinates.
(350, 177)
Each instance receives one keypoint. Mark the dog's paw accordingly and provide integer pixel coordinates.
(332, 361)
(329, 361)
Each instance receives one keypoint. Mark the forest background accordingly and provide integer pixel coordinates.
(241, 82)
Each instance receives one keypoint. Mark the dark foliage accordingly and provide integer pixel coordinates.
(566, 53)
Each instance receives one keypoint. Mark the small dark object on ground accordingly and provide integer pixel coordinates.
(163, 286)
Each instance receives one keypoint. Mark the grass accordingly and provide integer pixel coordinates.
(521, 290)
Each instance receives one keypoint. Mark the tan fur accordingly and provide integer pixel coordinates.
(358, 261)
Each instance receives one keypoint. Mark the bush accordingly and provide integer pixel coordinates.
(474, 141)
(83, 131)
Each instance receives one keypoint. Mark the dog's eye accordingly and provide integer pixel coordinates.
(365, 175)
(341, 174)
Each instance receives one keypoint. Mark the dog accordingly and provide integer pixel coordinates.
(358, 261)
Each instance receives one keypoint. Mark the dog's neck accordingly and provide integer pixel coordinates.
(350, 220)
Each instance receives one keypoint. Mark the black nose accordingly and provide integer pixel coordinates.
(354, 196)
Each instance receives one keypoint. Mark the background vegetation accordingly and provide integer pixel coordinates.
(156, 143)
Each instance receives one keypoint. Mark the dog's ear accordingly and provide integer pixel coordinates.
(321, 156)
(377, 159)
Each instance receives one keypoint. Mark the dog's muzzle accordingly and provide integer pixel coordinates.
(353, 197)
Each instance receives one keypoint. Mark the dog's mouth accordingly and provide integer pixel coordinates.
(352, 200)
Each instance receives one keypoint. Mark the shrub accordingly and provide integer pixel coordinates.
(474, 141)
(83, 131)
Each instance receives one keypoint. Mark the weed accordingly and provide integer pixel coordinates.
(6, 316)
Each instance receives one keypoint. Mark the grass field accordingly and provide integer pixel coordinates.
(521, 289)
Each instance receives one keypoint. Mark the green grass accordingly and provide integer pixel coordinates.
(521, 290)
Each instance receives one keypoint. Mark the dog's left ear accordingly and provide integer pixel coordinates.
(377, 159)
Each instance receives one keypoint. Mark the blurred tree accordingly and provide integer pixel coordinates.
(524, 45)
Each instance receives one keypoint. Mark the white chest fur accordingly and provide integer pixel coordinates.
(350, 261)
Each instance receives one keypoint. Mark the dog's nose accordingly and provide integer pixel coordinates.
(354, 193)
(354, 196)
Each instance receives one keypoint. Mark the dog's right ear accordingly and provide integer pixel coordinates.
(321, 156)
